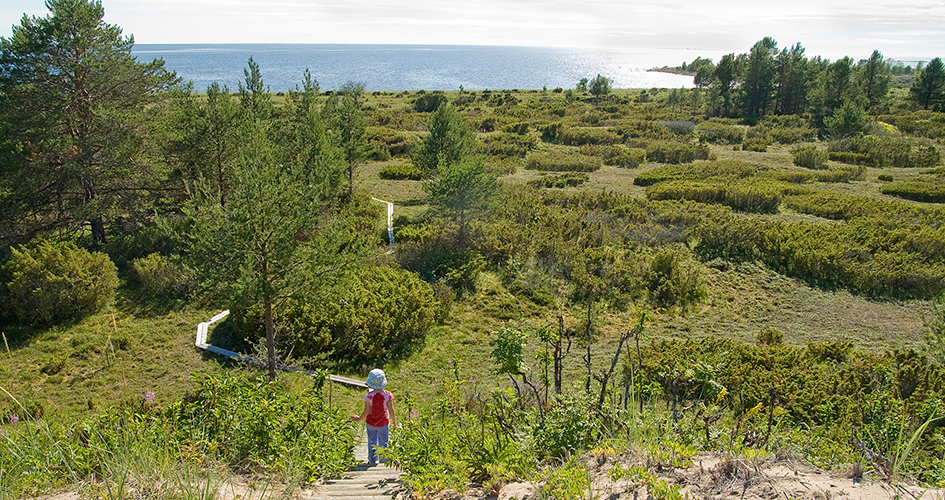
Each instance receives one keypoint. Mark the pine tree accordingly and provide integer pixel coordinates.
(450, 140)
(928, 90)
(72, 98)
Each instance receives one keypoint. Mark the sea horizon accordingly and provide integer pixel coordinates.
(408, 67)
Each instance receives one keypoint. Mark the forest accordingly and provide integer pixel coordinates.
(752, 268)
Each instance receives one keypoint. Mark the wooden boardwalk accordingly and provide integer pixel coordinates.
(362, 482)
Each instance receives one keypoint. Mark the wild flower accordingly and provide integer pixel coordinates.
(472, 380)
(414, 414)
(149, 396)
(14, 418)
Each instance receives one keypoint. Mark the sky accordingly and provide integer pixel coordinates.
(901, 29)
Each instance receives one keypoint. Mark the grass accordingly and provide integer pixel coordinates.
(68, 372)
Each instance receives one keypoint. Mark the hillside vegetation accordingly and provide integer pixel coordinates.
(753, 267)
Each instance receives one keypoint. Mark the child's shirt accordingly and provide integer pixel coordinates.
(378, 401)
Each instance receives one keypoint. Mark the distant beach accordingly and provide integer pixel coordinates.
(415, 67)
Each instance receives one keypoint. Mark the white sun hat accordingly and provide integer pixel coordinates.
(376, 379)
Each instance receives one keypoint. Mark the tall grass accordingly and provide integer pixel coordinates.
(136, 450)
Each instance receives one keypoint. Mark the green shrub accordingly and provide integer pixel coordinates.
(791, 135)
(923, 123)
(579, 136)
(383, 313)
(885, 177)
(925, 190)
(675, 152)
(810, 157)
(401, 171)
(720, 133)
(568, 430)
(427, 103)
(783, 129)
(51, 282)
(849, 157)
(550, 132)
(770, 336)
(624, 157)
(891, 151)
(395, 142)
(520, 128)
(722, 169)
(673, 278)
(159, 276)
(570, 179)
(254, 422)
(756, 197)
(377, 152)
(507, 144)
(757, 144)
(842, 174)
(641, 129)
(679, 127)
(561, 161)
(796, 177)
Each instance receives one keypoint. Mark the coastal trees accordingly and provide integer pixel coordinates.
(793, 80)
(206, 136)
(599, 86)
(726, 78)
(346, 121)
(280, 231)
(450, 139)
(849, 119)
(874, 78)
(461, 190)
(758, 86)
(73, 102)
(928, 90)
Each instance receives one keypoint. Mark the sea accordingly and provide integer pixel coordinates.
(418, 67)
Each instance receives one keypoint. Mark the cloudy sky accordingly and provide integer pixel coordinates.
(901, 29)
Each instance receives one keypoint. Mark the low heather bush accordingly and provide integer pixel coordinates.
(562, 161)
(676, 152)
(926, 190)
(679, 127)
(159, 276)
(810, 157)
(720, 133)
(579, 136)
(401, 171)
(570, 179)
(50, 282)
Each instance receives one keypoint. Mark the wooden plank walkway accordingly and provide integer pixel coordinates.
(362, 482)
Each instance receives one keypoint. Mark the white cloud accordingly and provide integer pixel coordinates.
(826, 27)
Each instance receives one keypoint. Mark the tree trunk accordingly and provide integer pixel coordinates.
(98, 232)
(270, 340)
(587, 358)
(559, 357)
(96, 223)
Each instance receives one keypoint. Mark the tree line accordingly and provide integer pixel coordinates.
(768, 80)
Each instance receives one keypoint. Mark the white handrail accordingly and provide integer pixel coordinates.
(201, 343)
(390, 221)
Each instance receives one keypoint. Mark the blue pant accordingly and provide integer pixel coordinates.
(376, 438)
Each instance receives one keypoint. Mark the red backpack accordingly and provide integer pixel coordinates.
(378, 415)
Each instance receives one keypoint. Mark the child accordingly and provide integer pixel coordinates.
(378, 414)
